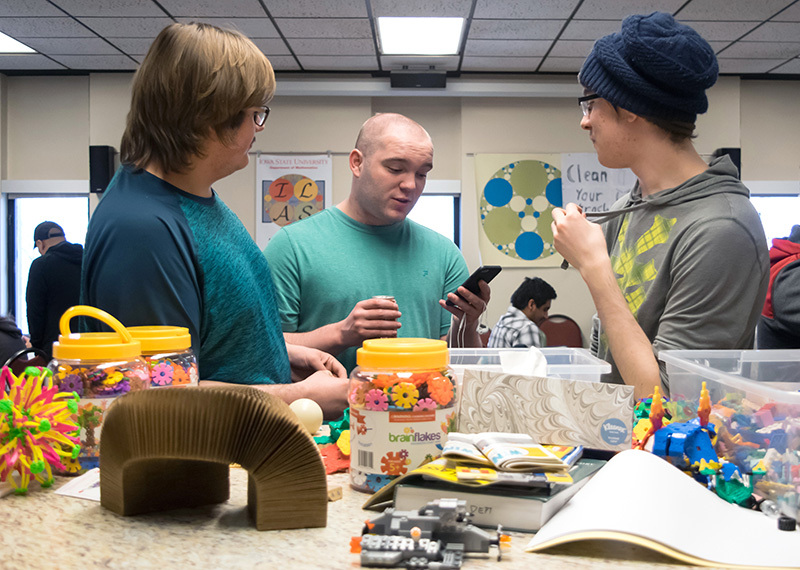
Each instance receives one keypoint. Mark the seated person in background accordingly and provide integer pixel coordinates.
(779, 325)
(163, 249)
(681, 262)
(519, 327)
(11, 339)
(328, 267)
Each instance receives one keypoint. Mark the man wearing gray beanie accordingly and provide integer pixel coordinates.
(681, 262)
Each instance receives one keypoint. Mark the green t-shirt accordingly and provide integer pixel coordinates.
(323, 265)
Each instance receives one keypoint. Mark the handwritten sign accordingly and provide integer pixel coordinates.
(590, 184)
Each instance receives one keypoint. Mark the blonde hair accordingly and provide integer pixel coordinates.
(195, 79)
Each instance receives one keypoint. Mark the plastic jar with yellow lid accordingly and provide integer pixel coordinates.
(168, 352)
(98, 367)
(402, 405)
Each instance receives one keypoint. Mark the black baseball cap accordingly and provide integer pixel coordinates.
(47, 230)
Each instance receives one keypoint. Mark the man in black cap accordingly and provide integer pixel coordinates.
(681, 262)
(54, 283)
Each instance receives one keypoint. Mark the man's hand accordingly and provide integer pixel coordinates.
(578, 240)
(370, 318)
(306, 361)
(466, 315)
(330, 392)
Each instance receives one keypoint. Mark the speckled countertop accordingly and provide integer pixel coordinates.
(45, 530)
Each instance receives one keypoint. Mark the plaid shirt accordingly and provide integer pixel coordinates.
(515, 330)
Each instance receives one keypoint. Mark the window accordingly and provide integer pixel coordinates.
(439, 208)
(25, 213)
(778, 214)
(441, 214)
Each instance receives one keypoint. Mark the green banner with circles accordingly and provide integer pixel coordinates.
(516, 196)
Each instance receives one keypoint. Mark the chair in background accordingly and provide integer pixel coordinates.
(561, 330)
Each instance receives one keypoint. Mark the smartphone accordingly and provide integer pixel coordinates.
(483, 273)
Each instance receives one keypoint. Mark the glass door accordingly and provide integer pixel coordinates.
(24, 214)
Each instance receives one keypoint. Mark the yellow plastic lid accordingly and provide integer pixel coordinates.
(158, 338)
(402, 353)
(118, 345)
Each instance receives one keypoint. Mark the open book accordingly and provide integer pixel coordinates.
(509, 452)
(640, 498)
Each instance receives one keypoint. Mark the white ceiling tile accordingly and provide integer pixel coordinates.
(272, 46)
(283, 63)
(25, 62)
(792, 66)
(213, 8)
(519, 64)
(72, 46)
(774, 32)
(791, 14)
(127, 27)
(589, 29)
(562, 64)
(111, 8)
(509, 48)
(313, 28)
(132, 46)
(617, 10)
(43, 28)
(747, 65)
(572, 48)
(97, 62)
(731, 9)
(420, 62)
(323, 46)
(337, 62)
(28, 8)
(544, 9)
(251, 27)
(422, 8)
(515, 29)
(721, 31)
(317, 8)
(763, 50)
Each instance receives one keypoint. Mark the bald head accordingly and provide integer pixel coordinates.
(375, 130)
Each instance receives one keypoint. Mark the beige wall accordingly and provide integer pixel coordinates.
(48, 123)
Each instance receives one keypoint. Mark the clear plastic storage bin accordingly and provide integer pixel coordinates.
(755, 406)
(562, 362)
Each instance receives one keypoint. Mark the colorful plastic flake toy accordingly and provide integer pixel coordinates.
(37, 429)
(437, 536)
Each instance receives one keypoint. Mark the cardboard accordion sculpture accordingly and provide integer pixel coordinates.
(172, 448)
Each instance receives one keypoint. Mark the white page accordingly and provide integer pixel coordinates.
(87, 486)
(641, 495)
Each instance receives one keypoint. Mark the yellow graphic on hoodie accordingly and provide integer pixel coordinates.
(632, 275)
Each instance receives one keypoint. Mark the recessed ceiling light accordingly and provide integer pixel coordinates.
(420, 36)
(10, 45)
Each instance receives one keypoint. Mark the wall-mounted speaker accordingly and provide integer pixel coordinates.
(101, 167)
(416, 80)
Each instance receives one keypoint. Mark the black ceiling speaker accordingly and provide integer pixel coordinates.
(418, 80)
(101, 167)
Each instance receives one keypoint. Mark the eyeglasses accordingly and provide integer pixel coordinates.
(261, 116)
(583, 103)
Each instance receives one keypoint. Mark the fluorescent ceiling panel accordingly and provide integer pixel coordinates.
(420, 36)
(10, 45)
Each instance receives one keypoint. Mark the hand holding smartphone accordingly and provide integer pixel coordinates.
(484, 273)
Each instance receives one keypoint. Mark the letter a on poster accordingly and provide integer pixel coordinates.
(289, 188)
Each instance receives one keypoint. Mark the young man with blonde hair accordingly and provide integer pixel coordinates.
(163, 249)
(681, 262)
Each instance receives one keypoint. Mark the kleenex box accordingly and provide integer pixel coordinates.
(557, 409)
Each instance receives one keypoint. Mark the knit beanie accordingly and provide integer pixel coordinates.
(655, 67)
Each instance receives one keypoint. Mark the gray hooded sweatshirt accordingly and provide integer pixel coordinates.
(692, 263)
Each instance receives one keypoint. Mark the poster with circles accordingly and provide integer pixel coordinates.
(516, 197)
(289, 188)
